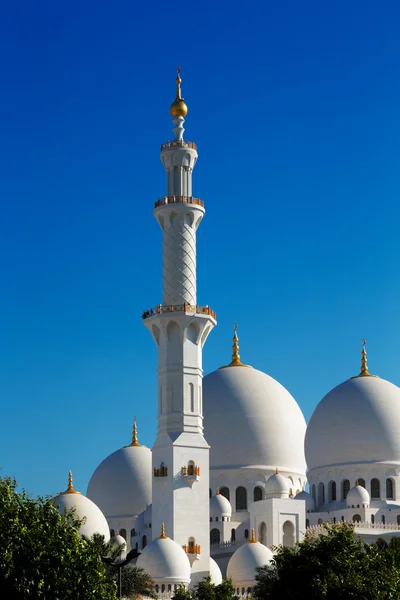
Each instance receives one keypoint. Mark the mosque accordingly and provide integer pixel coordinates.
(202, 502)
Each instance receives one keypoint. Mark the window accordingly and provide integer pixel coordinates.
(191, 396)
(383, 519)
(200, 401)
(345, 488)
(321, 493)
(215, 536)
(398, 519)
(133, 532)
(373, 519)
(112, 533)
(233, 535)
(375, 488)
(342, 518)
(210, 493)
(224, 491)
(122, 532)
(288, 534)
(262, 534)
(356, 519)
(389, 489)
(257, 494)
(246, 534)
(144, 542)
(361, 482)
(320, 521)
(313, 494)
(241, 498)
(307, 522)
(332, 491)
(334, 519)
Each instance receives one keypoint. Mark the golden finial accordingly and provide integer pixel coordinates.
(178, 108)
(276, 471)
(217, 492)
(364, 367)
(163, 536)
(253, 537)
(70, 488)
(235, 352)
(357, 482)
(135, 441)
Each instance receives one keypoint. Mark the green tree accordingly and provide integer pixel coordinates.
(42, 556)
(225, 590)
(182, 593)
(336, 565)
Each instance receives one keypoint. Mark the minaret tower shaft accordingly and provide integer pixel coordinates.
(180, 327)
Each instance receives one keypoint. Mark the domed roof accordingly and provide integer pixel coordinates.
(121, 484)
(220, 506)
(310, 504)
(94, 520)
(262, 423)
(120, 542)
(356, 422)
(277, 486)
(357, 496)
(165, 561)
(215, 572)
(243, 563)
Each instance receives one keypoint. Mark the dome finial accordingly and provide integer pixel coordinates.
(276, 471)
(253, 537)
(70, 488)
(217, 492)
(162, 536)
(178, 108)
(135, 441)
(235, 352)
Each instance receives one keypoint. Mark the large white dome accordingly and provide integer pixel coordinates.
(250, 419)
(356, 422)
(121, 484)
(165, 561)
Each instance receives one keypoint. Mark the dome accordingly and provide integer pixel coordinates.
(165, 561)
(215, 572)
(120, 542)
(358, 496)
(262, 423)
(310, 504)
(121, 484)
(277, 486)
(243, 563)
(356, 422)
(94, 520)
(220, 506)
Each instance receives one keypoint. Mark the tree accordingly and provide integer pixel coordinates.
(206, 590)
(335, 565)
(182, 593)
(42, 556)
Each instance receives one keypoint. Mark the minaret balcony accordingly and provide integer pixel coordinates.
(178, 200)
(190, 474)
(161, 472)
(178, 144)
(186, 308)
(193, 551)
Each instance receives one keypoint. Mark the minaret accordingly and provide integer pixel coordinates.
(180, 328)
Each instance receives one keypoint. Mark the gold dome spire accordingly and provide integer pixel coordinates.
(235, 352)
(70, 488)
(364, 367)
(253, 537)
(135, 441)
(178, 108)
(162, 536)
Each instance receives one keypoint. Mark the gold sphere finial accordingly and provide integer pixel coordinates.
(135, 441)
(162, 536)
(276, 471)
(178, 108)
(235, 351)
(253, 537)
(217, 492)
(70, 488)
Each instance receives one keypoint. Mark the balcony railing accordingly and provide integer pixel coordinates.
(178, 200)
(191, 308)
(161, 472)
(191, 470)
(178, 144)
(192, 548)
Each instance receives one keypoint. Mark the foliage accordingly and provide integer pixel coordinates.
(206, 590)
(42, 556)
(182, 593)
(225, 590)
(336, 565)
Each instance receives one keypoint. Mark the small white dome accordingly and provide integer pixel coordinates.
(215, 572)
(310, 504)
(358, 496)
(356, 422)
(220, 506)
(94, 520)
(277, 486)
(165, 561)
(243, 563)
(121, 543)
(262, 422)
(121, 484)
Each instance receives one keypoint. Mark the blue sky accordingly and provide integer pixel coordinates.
(295, 111)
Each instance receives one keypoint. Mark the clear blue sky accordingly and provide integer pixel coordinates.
(295, 108)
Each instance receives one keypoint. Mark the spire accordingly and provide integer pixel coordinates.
(276, 471)
(253, 537)
(235, 352)
(70, 488)
(217, 492)
(178, 108)
(162, 536)
(135, 441)
(364, 367)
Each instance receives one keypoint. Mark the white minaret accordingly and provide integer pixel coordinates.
(180, 328)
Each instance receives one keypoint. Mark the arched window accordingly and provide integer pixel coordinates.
(389, 489)
(157, 588)
(241, 498)
(342, 518)
(288, 534)
(383, 519)
(210, 493)
(215, 536)
(320, 521)
(262, 533)
(112, 533)
(332, 491)
(191, 396)
(224, 491)
(233, 535)
(136, 546)
(258, 494)
(246, 534)
(345, 488)
(169, 587)
(373, 519)
(133, 533)
(361, 482)
(313, 494)
(356, 519)
(307, 522)
(122, 532)
(144, 542)
(163, 587)
(334, 519)
(375, 488)
(398, 519)
(200, 401)
(321, 493)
